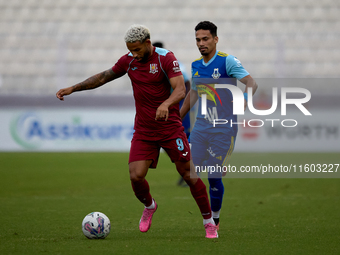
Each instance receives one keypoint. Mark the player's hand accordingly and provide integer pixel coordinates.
(162, 112)
(63, 92)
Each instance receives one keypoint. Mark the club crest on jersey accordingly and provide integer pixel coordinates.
(216, 74)
(153, 68)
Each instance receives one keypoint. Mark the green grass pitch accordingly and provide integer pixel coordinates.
(45, 196)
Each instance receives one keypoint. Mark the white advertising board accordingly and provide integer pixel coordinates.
(111, 130)
(66, 130)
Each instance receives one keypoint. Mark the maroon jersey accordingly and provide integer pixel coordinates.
(151, 87)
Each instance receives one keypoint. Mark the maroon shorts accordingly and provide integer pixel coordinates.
(177, 147)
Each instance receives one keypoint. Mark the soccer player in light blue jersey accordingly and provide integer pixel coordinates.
(213, 145)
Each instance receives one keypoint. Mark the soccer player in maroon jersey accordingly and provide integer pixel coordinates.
(153, 72)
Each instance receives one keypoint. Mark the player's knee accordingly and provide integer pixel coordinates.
(186, 175)
(190, 178)
(136, 176)
(138, 170)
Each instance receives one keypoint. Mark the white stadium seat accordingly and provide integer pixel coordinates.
(45, 42)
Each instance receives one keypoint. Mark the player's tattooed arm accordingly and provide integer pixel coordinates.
(93, 82)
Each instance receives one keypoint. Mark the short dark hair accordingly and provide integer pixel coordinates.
(207, 25)
(158, 44)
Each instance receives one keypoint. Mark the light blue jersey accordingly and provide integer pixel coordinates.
(221, 69)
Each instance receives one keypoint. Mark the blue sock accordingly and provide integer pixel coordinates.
(216, 191)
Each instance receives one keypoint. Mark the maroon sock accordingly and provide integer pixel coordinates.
(142, 192)
(199, 192)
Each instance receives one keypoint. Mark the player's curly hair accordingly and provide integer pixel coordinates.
(207, 25)
(137, 33)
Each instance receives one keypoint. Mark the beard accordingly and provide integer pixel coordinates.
(145, 57)
(204, 51)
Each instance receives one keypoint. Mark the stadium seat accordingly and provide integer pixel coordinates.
(43, 40)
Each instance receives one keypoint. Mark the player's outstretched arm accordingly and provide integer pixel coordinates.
(93, 82)
(250, 83)
(189, 101)
(178, 93)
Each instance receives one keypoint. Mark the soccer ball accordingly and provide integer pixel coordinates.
(96, 225)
